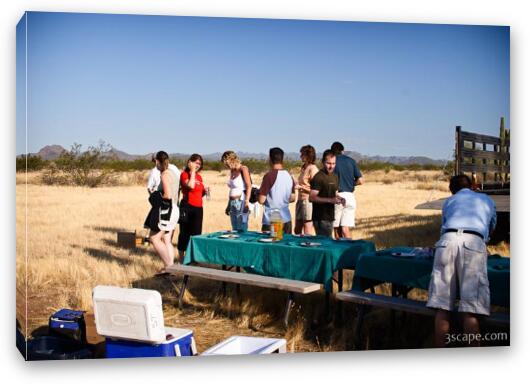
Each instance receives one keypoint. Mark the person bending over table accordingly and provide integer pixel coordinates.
(468, 218)
(277, 191)
(323, 195)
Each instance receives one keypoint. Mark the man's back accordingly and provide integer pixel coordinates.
(347, 170)
(278, 186)
(471, 211)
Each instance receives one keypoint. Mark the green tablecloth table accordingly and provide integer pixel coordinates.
(285, 259)
(374, 268)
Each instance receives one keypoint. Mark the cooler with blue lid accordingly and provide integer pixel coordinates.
(132, 322)
(180, 343)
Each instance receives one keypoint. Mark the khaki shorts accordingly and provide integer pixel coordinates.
(303, 210)
(460, 264)
(344, 216)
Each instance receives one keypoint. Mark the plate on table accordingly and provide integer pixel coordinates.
(268, 240)
(310, 244)
(404, 254)
(229, 236)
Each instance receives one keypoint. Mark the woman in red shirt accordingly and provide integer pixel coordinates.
(192, 203)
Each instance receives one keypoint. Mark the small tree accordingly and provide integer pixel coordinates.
(85, 168)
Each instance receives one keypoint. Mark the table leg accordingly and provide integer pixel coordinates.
(339, 304)
(223, 284)
(327, 306)
(358, 340)
(181, 292)
(288, 308)
(238, 287)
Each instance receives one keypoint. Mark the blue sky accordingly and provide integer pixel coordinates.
(192, 84)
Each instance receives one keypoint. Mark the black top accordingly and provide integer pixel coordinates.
(327, 185)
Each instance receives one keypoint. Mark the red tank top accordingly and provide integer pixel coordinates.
(193, 196)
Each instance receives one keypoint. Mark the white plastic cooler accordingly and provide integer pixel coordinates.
(129, 313)
(245, 345)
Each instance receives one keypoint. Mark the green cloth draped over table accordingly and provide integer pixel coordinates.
(285, 259)
(374, 268)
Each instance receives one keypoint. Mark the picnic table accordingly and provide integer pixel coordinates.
(374, 268)
(284, 259)
(405, 273)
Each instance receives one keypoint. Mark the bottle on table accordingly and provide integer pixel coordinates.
(276, 224)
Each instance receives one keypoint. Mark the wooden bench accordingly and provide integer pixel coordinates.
(365, 299)
(291, 286)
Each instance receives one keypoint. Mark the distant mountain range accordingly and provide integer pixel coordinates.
(52, 152)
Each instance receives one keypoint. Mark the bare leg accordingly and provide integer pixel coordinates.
(159, 246)
(442, 327)
(471, 327)
(308, 228)
(338, 232)
(169, 246)
(345, 232)
(181, 257)
(298, 227)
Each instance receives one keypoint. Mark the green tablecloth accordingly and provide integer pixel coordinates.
(377, 267)
(285, 259)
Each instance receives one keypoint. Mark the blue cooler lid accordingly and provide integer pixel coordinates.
(67, 315)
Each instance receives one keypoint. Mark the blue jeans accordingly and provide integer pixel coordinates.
(238, 219)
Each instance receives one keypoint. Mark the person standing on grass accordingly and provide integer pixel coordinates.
(240, 188)
(162, 219)
(468, 218)
(349, 176)
(193, 190)
(323, 194)
(303, 209)
(277, 191)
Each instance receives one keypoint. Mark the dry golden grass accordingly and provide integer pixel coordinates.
(71, 247)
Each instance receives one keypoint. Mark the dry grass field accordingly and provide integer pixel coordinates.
(71, 247)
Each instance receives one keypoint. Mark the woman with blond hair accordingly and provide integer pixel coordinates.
(162, 219)
(240, 189)
(303, 209)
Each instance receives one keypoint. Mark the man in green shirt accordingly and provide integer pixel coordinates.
(323, 195)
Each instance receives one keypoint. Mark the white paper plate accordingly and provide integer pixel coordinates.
(310, 244)
(268, 240)
(229, 236)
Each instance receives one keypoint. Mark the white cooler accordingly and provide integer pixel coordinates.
(245, 345)
(129, 313)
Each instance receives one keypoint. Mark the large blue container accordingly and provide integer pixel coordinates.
(181, 343)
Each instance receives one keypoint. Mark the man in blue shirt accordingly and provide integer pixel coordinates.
(349, 176)
(461, 259)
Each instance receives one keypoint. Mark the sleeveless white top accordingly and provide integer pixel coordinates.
(236, 185)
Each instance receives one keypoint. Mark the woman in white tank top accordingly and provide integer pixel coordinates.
(240, 186)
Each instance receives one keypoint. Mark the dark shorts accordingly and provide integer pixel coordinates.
(323, 227)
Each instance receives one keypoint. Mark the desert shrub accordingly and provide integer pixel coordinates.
(30, 163)
(52, 175)
(83, 168)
